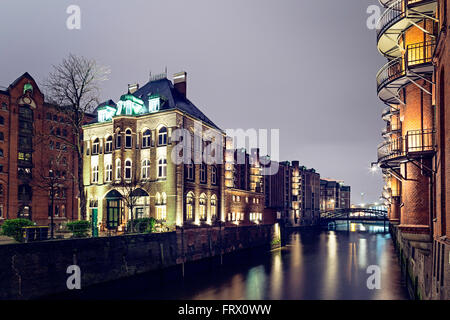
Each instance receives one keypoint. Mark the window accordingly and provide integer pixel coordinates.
(1, 152)
(162, 136)
(1, 211)
(95, 146)
(214, 175)
(108, 144)
(2, 120)
(203, 173)
(213, 207)
(4, 106)
(128, 169)
(95, 174)
(146, 139)
(162, 168)
(1, 189)
(161, 206)
(118, 140)
(146, 169)
(128, 139)
(2, 137)
(190, 171)
(202, 204)
(1, 168)
(63, 210)
(108, 173)
(49, 116)
(190, 206)
(118, 170)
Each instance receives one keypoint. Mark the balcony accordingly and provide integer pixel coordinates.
(416, 143)
(392, 128)
(399, 16)
(398, 72)
(387, 114)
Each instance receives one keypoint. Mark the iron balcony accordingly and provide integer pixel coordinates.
(399, 16)
(398, 72)
(415, 144)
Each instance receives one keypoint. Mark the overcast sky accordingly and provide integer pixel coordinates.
(306, 67)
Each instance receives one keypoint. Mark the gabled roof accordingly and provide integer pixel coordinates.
(173, 99)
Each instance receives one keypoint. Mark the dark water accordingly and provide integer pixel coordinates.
(314, 265)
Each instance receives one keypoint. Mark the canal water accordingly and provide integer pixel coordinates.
(327, 264)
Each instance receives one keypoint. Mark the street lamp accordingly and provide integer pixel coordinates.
(52, 196)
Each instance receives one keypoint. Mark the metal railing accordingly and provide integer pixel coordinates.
(386, 113)
(392, 70)
(420, 53)
(413, 142)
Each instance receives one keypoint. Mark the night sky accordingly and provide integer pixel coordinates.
(306, 67)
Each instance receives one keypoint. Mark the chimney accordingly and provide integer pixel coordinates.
(132, 88)
(179, 82)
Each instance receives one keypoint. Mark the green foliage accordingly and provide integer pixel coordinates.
(142, 225)
(79, 228)
(13, 228)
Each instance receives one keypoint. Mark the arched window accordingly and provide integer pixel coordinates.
(128, 139)
(190, 206)
(2, 120)
(108, 173)
(162, 136)
(213, 207)
(214, 175)
(161, 206)
(128, 169)
(146, 169)
(202, 204)
(146, 139)
(203, 173)
(108, 144)
(162, 168)
(94, 174)
(118, 140)
(95, 146)
(118, 169)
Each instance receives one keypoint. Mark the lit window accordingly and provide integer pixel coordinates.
(108, 144)
(190, 206)
(108, 173)
(202, 204)
(162, 168)
(213, 207)
(146, 169)
(95, 146)
(128, 139)
(128, 169)
(118, 170)
(153, 104)
(146, 139)
(162, 136)
(161, 206)
(95, 174)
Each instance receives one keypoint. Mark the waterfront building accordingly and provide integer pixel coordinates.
(129, 160)
(294, 192)
(334, 195)
(412, 35)
(33, 136)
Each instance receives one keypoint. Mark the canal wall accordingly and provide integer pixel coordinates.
(39, 269)
(425, 264)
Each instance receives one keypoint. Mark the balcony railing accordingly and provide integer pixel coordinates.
(416, 141)
(416, 54)
(396, 10)
(386, 114)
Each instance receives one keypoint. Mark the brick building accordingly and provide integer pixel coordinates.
(412, 35)
(32, 135)
(334, 195)
(294, 192)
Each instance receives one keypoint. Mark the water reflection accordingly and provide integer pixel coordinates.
(314, 265)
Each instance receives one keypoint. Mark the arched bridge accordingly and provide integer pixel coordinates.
(354, 214)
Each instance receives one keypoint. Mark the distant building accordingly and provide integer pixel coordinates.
(334, 195)
(294, 193)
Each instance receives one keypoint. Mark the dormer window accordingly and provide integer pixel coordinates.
(153, 104)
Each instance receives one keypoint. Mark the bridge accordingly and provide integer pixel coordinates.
(353, 214)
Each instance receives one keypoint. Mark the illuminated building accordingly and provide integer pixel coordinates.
(33, 133)
(334, 195)
(412, 35)
(294, 192)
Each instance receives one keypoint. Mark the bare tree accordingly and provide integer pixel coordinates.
(53, 178)
(74, 86)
